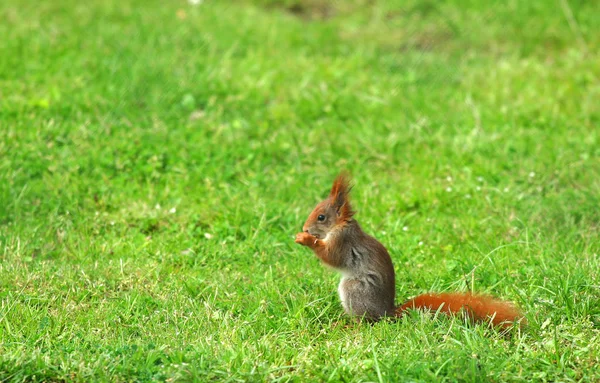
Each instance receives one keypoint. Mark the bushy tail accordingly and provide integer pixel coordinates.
(479, 307)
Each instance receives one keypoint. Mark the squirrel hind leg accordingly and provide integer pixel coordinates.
(360, 301)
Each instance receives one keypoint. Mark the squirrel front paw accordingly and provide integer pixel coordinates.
(306, 239)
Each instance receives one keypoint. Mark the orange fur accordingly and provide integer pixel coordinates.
(477, 307)
(338, 197)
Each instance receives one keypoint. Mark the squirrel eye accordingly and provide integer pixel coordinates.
(321, 217)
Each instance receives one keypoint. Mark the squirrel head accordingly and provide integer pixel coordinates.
(334, 212)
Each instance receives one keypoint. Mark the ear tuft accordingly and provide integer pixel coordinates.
(339, 196)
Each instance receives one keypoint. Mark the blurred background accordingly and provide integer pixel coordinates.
(157, 158)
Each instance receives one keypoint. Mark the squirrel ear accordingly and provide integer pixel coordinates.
(339, 196)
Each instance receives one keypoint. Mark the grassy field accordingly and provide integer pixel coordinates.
(158, 157)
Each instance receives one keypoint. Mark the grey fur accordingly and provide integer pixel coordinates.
(367, 288)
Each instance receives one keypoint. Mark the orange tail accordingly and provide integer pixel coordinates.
(478, 307)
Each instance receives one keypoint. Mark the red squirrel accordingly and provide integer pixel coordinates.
(367, 289)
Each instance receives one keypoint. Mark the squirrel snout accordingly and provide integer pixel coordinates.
(314, 235)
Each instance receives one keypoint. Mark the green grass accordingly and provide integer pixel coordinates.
(157, 159)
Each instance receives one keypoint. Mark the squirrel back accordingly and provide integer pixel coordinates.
(367, 288)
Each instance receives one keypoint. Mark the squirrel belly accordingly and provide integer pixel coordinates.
(477, 307)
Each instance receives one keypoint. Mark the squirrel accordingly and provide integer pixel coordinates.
(367, 288)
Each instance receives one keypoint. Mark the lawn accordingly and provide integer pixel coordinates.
(157, 159)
